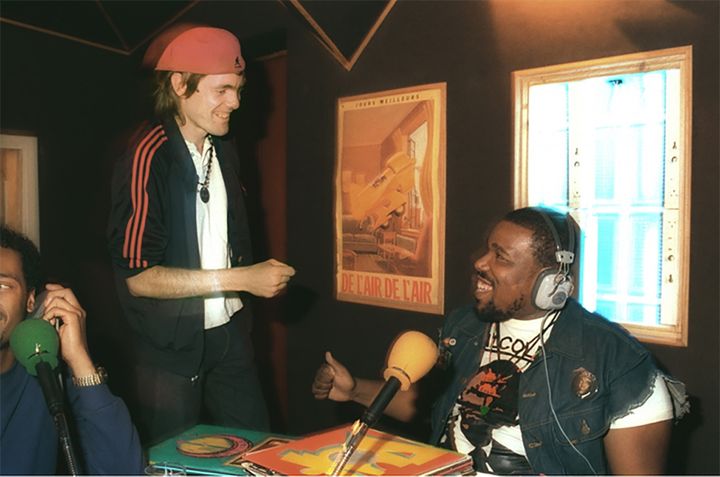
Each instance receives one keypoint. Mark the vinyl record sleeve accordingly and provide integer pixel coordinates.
(379, 453)
(211, 450)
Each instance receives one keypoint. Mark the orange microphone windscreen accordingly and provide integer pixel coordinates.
(411, 356)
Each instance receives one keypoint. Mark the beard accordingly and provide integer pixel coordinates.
(489, 312)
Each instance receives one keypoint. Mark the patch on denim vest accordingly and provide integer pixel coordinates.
(584, 383)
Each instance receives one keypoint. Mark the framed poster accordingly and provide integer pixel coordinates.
(390, 198)
(19, 190)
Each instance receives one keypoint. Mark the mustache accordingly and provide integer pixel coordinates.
(481, 274)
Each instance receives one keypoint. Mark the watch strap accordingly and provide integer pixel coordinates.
(95, 379)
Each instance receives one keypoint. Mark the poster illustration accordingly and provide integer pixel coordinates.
(390, 198)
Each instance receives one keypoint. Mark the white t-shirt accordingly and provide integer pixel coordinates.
(519, 342)
(211, 220)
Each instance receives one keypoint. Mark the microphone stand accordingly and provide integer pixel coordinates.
(351, 444)
(53, 396)
(361, 426)
(66, 443)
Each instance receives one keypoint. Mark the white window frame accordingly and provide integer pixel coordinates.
(673, 329)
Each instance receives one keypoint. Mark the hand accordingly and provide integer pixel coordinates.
(268, 278)
(62, 309)
(333, 381)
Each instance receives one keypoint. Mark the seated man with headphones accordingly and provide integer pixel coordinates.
(537, 384)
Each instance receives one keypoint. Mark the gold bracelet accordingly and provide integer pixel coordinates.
(95, 379)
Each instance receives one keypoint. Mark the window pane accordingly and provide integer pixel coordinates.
(549, 141)
(645, 256)
(643, 314)
(606, 256)
(606, 308)
(649, 181)
(606, 153)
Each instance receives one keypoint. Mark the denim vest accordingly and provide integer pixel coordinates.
(623, 369)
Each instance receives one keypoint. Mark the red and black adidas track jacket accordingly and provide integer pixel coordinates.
(152, 222)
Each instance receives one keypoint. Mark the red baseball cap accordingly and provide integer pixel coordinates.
(203, 50)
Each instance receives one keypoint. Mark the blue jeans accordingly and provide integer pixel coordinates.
(225, 392)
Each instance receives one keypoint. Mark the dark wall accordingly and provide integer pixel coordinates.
(74, 98)
(79, 100)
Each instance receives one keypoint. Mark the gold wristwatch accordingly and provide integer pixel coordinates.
(98, 377)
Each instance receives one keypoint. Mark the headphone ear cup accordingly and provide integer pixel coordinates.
(563, 292)
(544, 284)
(548, 294)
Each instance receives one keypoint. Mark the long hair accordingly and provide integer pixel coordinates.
(167, 103)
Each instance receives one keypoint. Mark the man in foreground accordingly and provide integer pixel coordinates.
(537, 383)
(29, 440)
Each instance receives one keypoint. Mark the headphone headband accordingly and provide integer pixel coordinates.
(562, 256)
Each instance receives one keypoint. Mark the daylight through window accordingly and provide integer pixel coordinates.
(608, 141)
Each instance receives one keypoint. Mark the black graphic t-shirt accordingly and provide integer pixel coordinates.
(487, 409)
(489, 401)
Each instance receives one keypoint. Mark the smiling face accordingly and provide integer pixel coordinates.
(15, 299)
(207, 110)
(505, 275)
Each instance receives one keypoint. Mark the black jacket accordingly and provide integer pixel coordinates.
(152, 222)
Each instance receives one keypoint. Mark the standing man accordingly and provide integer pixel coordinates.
(180, 244)
(28, 436)
(536, 383)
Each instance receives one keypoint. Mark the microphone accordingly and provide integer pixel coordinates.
(411, 356)
(35, 344)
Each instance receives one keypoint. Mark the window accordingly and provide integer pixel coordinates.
(609, 141)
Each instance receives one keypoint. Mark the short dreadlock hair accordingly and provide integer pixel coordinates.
(544, 245)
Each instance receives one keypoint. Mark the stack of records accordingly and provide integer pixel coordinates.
(209, 450)
(378, 453)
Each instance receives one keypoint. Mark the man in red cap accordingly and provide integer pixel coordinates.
(180, 244)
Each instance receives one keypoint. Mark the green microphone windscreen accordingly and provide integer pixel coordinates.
(33, 341)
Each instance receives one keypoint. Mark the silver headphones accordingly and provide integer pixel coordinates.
(553, 287)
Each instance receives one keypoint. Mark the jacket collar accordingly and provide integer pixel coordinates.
(178, 146)
(567, 334)
(474, 326)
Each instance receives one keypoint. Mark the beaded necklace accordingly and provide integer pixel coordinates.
(204, 192)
